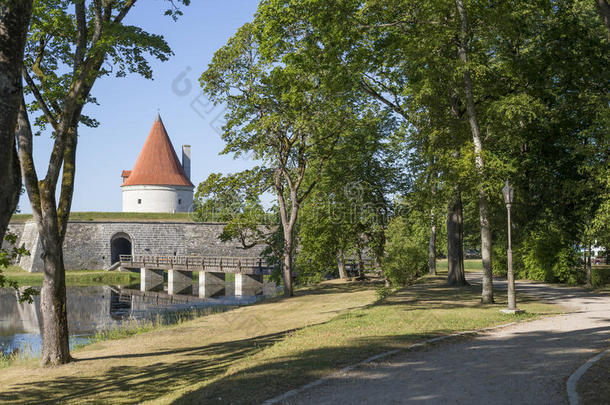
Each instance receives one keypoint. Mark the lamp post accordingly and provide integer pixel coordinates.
(508, 194)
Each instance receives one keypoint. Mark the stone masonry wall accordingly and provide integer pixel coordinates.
(88, 243)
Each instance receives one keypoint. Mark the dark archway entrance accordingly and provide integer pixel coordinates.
(120, 244)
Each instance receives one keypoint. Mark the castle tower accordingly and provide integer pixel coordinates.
(158, 181)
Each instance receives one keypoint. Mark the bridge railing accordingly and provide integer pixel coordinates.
(192, 262)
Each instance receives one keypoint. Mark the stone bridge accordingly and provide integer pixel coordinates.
(248, 272)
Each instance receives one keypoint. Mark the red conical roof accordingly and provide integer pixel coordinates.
(157, 163)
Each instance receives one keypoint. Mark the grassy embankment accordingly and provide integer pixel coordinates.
(256, 352)
(73, 278)
(117, 216)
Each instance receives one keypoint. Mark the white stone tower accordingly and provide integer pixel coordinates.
(158, 181)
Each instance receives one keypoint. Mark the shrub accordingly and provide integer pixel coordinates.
(406, 252)
(546, 257)
(499, 264)
(566, 267)
(600, 276)
(383, 292)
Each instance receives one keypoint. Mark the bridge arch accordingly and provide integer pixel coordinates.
(120, 244)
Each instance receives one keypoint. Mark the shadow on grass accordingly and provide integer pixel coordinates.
(133, 384)
(264, 381)
(203, 369)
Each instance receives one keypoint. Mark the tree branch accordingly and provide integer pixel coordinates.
(124, 11)
(39, 99)
(81, 40)
(26, 160)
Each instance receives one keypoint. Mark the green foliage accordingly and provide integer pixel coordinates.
(406, 252)
(383, 292)
(6, 257)
(547, 258)
(235, 200)
(600, 276)
(51, 51)
(500, 262)
(323, 68)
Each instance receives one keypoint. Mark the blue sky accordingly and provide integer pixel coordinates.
(128, 105)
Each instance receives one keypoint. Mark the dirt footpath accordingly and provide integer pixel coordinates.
(524, 363)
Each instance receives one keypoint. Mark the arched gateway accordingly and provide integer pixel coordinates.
(120, 244)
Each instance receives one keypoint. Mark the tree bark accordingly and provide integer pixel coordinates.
(360, 265)
(14, 22)
(432, 244)
(487, 290)
(55, 335)
(588, 266)
(455, 246)
(341, 264)
(604, 11)
(288, 220)
(287, 269)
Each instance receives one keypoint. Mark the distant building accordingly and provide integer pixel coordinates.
(158, 181)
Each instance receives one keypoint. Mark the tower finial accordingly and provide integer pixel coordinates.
(158, 118)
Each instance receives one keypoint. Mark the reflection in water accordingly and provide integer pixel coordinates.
(93, 309)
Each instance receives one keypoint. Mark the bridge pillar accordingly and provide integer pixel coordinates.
(179, 282)
(248, 284)
(211, 284)
(151, 280)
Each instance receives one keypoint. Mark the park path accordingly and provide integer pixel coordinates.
(523, 363)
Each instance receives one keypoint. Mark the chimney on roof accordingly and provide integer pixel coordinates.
(186, 160)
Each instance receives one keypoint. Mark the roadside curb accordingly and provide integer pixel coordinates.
(572, 384)
(291, 393)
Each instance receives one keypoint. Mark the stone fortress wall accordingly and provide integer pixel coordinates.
(96, 244)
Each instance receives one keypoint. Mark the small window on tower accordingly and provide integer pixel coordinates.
(139, 201)
(179, 201)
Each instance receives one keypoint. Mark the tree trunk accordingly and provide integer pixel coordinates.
(341, 264)
(287, 270)
(55, 335)
(588, 266)
(360, 265)
(604, 11)
(14, 22)
(455, 248)
(487, 290)
(432, 244)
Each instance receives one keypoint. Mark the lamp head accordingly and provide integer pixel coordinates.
(508, 193)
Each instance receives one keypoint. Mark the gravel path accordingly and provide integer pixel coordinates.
(524, 363)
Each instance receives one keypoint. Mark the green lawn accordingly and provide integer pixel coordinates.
(470, 265)
(256, 352)
(594, 385)
(117, 216)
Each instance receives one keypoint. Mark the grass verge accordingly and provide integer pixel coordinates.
(73, 278)
(594, 385)
(256, 352)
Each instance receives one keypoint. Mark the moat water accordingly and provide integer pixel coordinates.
(98, 308)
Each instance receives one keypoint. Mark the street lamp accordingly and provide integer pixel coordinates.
(508, 193)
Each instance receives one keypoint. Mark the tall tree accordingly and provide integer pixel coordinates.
(280, 110)
(14, 22)
(65, 54)
(350, 207)
(486, 242)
